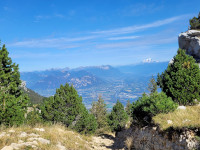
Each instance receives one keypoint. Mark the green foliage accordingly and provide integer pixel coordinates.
(85, 123)
(33, 117)
(152, 86)
(99, 110)
(195, 22)
(148, 106)
(128, 108)
(13, 103)
(48, 110)
(181, 79)
(66, 106)
(118, 117)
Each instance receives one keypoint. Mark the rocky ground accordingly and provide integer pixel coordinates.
(104, 142)
(55, 137)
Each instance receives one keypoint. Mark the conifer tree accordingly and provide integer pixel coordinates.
(47, 109)
(66, 107)
(152, 86)
(86, 122)
(195, 22)
(13, 104)
(128, 108)
(99, 110)
(181, 79)
(118, 117)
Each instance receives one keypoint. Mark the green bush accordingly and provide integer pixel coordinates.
(66, 107)
(13, 103)
(195, 22)
(148, 106)
(118, 117)
(99, 110)
(181, 79)
(86, 123)
(33, 118)
(128, 108)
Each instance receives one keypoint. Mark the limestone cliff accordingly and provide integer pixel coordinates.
(190, 41)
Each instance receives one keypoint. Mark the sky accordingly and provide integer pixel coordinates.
(44, 34)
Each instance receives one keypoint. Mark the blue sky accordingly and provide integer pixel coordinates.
(44, 34)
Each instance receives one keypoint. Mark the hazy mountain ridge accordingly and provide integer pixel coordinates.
(121, 82)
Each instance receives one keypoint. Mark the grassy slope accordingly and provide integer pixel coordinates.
(54, 133)
(189, 118)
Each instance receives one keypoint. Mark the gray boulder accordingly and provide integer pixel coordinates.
(190, 41)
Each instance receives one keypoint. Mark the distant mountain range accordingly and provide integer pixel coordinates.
(121, 82)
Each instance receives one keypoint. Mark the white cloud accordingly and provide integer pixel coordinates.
(52, 43)
(137, 28)
(123, 38)
(149, 40)
(102, 39)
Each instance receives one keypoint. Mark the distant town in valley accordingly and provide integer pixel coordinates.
(122, 83)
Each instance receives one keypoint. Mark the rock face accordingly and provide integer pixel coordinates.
(152, 138)
(190, 41)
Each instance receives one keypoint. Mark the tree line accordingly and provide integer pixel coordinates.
(179, 83)
(64, 107)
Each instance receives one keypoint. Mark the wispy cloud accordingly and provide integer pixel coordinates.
(132, 29)
(102, 39)
(148, 40)
(44, 17)
(52, 43)
(123, 38)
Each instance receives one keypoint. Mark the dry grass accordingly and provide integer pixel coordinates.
(55, 133)
(129, 142)
(189, 118)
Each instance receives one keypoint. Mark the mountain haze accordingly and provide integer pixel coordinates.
(120, 82)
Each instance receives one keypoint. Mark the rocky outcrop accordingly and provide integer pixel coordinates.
(152, 138)
(190, 41)
(32, 140)
(23, 85)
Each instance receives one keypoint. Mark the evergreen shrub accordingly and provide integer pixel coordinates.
(148, 106)
(181, 79)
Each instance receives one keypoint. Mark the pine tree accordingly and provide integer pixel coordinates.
(152, 86)
(47, 109)
(99, 110)
(86, 123)
(181, 79)
(66, 107)
(63, 107)
(195, 22)
(13, 104)
(128, 108)
(118, 117)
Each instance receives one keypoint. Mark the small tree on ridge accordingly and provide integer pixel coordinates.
(181, 79)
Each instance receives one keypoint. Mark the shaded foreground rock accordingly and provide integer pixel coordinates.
(151, 138)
